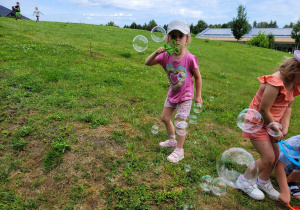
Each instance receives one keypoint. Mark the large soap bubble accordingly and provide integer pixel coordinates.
(158, 34)
(234, 162)
(140, 43)
(250, 120)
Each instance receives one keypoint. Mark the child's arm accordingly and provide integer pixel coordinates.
(285, 120)
(281, 179)
(269, 96)
(150, 61)
(198, 84)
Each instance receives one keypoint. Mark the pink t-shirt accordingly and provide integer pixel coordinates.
(180, 76)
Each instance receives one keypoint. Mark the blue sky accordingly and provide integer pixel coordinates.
(125, 12)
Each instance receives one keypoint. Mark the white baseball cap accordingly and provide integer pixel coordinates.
(179, 25)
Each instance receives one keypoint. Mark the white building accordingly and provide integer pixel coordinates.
(283, 40)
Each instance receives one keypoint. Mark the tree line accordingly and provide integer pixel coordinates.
(202, 25)
(239, 27)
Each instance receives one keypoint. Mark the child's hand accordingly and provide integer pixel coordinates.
(278, 138)
(160, 50)
(198, 101)
(285, 198)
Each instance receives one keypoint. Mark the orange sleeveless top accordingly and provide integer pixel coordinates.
(279, 106)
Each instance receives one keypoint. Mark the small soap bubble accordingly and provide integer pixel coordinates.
(219, 187)
(211, 98)
(250, 120)
(274, 129)
(205, 183)
(192, 119)
(181, 128)
(197, 108)
(158, 34)
(154, 129)
(187, 168)
(140, 43)
(180, 117)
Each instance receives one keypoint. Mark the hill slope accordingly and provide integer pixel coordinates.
(77, 105)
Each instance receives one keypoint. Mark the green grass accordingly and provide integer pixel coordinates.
(77, 105)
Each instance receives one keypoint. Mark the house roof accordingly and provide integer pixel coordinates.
(226, 32)
(5, 12)
(277, 32)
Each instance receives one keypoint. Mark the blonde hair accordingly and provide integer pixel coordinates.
(289, 68)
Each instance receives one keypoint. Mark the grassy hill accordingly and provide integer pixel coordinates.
(77, 105)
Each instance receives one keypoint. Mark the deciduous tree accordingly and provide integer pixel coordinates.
(296, 34)
(240, 24)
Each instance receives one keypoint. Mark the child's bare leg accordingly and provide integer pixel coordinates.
(267, 158)
(166, 118)
(180, 141)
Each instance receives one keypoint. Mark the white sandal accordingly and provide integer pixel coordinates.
(176, 156)
(168, 144)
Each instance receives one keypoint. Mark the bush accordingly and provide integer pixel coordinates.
(260, 40)
(271, 39)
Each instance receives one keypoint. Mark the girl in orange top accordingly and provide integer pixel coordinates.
(273, 100)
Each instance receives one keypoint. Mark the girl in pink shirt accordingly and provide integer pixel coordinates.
(274, 100)
(180, 69)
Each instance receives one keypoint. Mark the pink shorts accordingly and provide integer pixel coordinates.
(182, 107)
(260, 135)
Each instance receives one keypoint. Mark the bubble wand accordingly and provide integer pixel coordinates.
(291, 207)
(173, 47)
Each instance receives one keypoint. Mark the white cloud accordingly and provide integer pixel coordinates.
(190, 13)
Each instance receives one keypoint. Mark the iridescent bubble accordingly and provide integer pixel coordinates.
(181, 128)
(197, 108)
(158, 34)
(274, 129)
(140, 43)
(234, 162)
(180, 117)
(211, 98)
(187, 167)
(250, 120)
(205, 182)
(154, 129)
(192, 119)
(219, 187)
